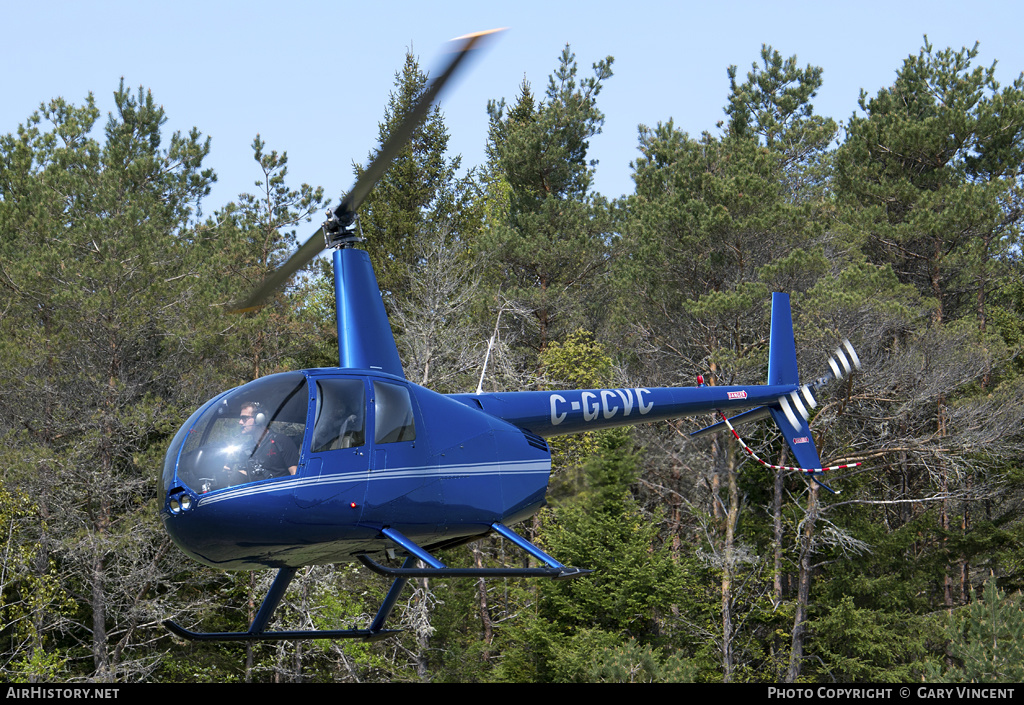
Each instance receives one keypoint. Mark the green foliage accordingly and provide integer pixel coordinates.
(550, 240)
(635, 578)
(578, 363)
(863, 645)
(339, 604)
(31, 595)
(715, 221)
(418, 192)
(632, 662)
(94, 255)
(774, 104)
(986, 640)
(244, 242)
(906, 238)
(933, 168)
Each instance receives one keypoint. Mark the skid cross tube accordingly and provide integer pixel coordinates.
(437, 569)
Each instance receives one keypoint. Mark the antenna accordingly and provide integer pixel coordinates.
(487, 357)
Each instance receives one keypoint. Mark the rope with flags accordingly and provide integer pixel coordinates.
(752, 454)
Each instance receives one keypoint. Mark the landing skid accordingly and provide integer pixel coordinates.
(819, 483)
(376, 631)
(273, 599)
(364, 634)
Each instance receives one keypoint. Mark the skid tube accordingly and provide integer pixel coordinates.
(376, 631)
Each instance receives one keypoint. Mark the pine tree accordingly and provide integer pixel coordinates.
(240, 246)
(774, 104)
(929, 180)
(548, 234)
(934, 167)
(629, 595)
(420, 191)
(420, 223)
(93, 259)
(986, 640)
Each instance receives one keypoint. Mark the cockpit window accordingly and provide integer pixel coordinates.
(393, 416)
(253, 433)
(340, 415)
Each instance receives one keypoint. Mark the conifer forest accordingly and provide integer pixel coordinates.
(898, 228)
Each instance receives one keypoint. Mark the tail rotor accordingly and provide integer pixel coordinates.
(842, 363)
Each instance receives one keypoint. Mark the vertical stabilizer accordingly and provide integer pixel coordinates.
(782, 370)
(782, 346)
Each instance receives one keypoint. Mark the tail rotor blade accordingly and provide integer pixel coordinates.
(788, 411)
(844, 360)
(853, 354)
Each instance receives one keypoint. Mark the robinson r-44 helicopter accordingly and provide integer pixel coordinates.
(354, 462)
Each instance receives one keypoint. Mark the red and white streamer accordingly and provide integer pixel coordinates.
(752, 454)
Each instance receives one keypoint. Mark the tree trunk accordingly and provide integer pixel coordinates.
(777, 533)
(101, 665)
(485, 615)
(729, 565)
(796, 653)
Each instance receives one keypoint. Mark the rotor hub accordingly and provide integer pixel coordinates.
(341, 232)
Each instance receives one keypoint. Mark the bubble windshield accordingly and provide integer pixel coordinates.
(253, 433)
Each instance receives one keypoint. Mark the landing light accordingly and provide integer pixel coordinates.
(180, 503)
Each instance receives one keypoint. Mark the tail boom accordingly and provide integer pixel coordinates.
(575, 411)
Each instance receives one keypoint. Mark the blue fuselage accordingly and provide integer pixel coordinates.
(427, 465)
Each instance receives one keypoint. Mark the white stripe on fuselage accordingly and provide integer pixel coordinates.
(517, 467)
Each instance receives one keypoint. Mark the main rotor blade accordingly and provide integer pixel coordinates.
(279, 276)
(370, 176)
(401, 134)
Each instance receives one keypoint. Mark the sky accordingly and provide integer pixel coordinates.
(312, 77)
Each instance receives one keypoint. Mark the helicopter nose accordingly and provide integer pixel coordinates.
(180, 519)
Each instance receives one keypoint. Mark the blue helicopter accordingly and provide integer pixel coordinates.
(355, 462)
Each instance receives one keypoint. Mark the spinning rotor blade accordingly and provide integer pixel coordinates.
(279, 276)
(842, 363)
(345, 212)
(401, 134)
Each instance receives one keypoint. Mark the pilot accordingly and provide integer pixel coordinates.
(274, 455)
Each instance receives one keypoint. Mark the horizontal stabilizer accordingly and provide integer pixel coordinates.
(757, 414)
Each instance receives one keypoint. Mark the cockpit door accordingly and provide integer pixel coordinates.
(338, 454)
(405, 489)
